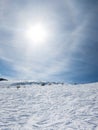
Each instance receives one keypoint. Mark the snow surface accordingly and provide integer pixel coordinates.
(49, 107)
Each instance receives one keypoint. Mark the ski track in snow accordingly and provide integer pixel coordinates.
(50, 107)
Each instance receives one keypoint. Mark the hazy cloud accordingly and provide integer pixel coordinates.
(70, 53)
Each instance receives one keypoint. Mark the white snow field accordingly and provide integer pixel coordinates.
(49, 107)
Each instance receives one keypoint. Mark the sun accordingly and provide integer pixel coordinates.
(36, 33)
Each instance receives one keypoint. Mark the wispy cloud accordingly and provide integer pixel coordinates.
(68, 53)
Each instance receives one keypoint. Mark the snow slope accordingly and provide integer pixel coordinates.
(49, 107)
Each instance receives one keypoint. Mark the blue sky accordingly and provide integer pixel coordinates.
(70, 53)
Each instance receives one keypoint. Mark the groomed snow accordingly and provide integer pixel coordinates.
(49, 107)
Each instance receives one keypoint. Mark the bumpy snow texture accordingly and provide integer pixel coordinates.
(48, 107)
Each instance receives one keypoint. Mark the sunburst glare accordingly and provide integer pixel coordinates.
(36, 33)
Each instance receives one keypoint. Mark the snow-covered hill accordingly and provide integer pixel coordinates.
(48, 107)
